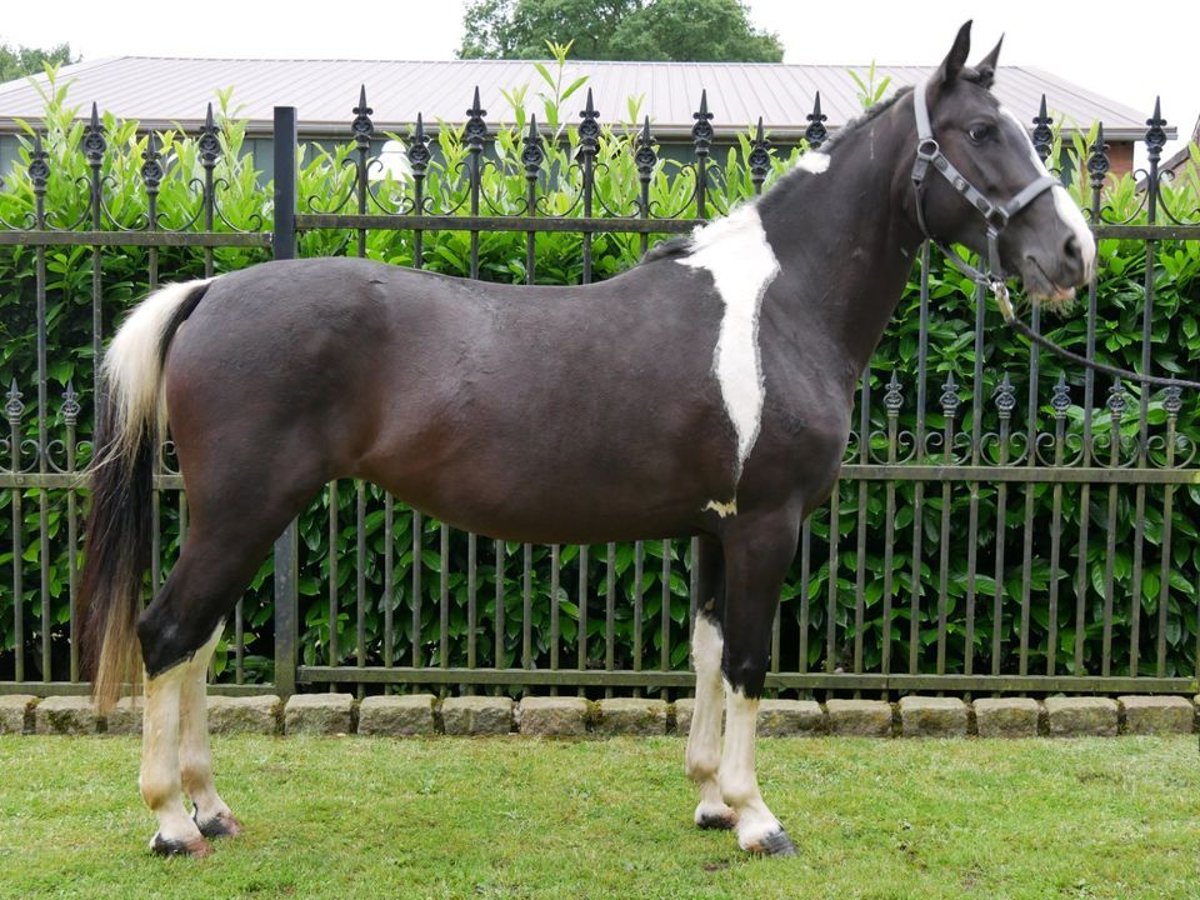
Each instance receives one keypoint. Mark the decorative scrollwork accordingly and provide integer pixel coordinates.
(950, 400)
(816, 133)
(759, 158)
(152, 170)
(1042, 136)
(1060, 399)
(362, 126)
(209, 144)
(475, 130)
(39, 169)
(645, 158)
(893, 399)
(1156, 134)
(94, 143)
(1173, 400)
(1005, 398)
(533, 153)
(14, 408)
(70, 407)
(589, 128)
(702, 131)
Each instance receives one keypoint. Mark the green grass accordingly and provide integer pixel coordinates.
(354, 817)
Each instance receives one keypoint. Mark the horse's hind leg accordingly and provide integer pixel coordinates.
(704, 739)
(159, 780)
(210, 813)
(236, 513)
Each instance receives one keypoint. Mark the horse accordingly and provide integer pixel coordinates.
(520, 413)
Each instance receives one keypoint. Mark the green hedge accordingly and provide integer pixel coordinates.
(325, 178)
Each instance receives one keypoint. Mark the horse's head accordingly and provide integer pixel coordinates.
(996, 197)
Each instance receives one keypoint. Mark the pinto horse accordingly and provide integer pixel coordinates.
(464, 400)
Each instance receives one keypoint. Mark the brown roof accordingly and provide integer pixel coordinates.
(158, 92)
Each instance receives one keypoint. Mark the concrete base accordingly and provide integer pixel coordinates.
(938, 717)
(1157, 715)
(65, 715)
(477, 715)
(553, 716)
(629, 715)
(1081, 716)
(1007, 717)
(860, 718)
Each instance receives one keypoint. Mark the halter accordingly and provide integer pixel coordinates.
(997, 215)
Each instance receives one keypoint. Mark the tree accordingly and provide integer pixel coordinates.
(681, 30)
(17, 61)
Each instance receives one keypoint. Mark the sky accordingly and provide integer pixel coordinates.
(1130, 54)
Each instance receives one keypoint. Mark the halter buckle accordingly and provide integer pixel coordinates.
(928, 149)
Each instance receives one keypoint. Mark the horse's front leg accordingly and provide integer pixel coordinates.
(758, 551)
(704, 738)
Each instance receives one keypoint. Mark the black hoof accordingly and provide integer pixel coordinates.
(197, 849)
(219, 827)
(776, 844)
(717, 823)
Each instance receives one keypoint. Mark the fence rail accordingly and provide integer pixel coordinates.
(926, 570)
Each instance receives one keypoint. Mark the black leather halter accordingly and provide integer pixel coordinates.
(997, 215)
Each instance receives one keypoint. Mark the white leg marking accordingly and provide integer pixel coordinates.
(736, 253)
(739, 781)
(704, 739)
(195, 754)
(160, 783)
(1067, 211)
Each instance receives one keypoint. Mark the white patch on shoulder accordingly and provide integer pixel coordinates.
(813, 162)
(1063, 204)
(735, 251)
(722, 509)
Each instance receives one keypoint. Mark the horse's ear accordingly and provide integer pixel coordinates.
(987, 66)
(953, 64)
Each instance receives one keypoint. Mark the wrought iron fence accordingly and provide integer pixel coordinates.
(905, 581)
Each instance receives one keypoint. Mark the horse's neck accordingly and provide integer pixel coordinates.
(844, 245)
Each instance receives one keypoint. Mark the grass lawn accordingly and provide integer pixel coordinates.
(353, 817)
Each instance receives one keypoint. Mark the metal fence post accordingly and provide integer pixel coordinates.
(287, 545)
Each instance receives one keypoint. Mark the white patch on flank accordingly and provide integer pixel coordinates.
(739, 779)
(132, 367)
(722, 509)
(703, 759)
(1063, 204)
(813, 162)
(736, 253)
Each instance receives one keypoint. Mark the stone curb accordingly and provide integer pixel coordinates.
(244, 715)
(422, 714)
(66, 715)
(16, 713)
(477, 715)
(859, 718)
(630, 715)
(319, 714)
(1156, 715)
(1007, 717)
(397, 715)
(553, 716)
(939, 717)
(1082, 716)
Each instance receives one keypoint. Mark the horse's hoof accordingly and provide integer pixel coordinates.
(197, 848)
(220, 826)
(716, 822)
(775, 844)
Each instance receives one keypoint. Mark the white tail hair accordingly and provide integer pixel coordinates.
(132, 369)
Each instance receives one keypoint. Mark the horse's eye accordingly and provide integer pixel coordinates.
(979, 133)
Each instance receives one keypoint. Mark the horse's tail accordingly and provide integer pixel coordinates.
(117, 550)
